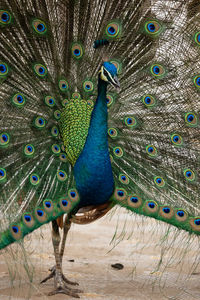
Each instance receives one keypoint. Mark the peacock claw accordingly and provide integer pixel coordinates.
(53, 274)
(66, 291)
(61, 287)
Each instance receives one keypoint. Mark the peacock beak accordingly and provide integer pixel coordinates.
(115, 82)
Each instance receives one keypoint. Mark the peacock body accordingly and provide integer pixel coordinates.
(68, 141)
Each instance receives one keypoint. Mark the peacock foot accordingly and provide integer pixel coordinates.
(61, 282)
(53, 274)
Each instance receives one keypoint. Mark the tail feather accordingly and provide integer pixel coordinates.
(47, 58)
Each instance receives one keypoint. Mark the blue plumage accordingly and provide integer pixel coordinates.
(92, 171)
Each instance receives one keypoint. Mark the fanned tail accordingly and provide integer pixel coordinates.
(47, 58)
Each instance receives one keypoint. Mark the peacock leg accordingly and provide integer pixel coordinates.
(66, 228)
(60, 283)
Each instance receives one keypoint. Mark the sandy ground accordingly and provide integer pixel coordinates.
(143, 244)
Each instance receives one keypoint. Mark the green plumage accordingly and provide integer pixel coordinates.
(48, 66)
(74, 124)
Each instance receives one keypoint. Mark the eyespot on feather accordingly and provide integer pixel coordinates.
(34, 179)
(195, 223)
(196, 81)
(61, 175)
(157, 70)
(55, 148)
(54, 131)
(149, 101)
(151, 150)
(197, 38)
(113, 29)
(181, 215)
(130, 122)
(76, 95)
(73, 195)
(49, 101)
(65, 204)
(134, 201)
(63, 157)
(189, 174)
(39, 122)
(118, 65)
(118, 152)
(65, 102)
(159, 181)
(63, 85)
(88, 86)
(177, 139)
(48, 205)
(4, 139)
(16, 232)
(40, 215)
(29, 150)
(3, 69)
(123, 179)
(18, 100)
(120, 194)
(40, 70)
(109, 99)
(151, 206)
(166, 212)
(28, 220)
(112, 132)
(57, 114)
(153, 28)
(5, 17)
(3, 175)
(77, 51)
(39, 26)
(191, 119)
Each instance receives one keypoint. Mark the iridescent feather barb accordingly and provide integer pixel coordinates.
(68, 141)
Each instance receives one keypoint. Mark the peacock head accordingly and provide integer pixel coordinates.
(108, 73)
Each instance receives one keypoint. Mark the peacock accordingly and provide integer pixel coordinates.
(99, 106)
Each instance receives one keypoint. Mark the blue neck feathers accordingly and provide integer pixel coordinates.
(92, 171)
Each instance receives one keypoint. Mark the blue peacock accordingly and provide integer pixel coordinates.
(75, 138)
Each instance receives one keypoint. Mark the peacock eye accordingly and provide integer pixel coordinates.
(49, 101)
(29, 150)
(34, 179)
(39, 26)
(40, 70)
(159, 181)
(153, 28)
(105, 72)
(189, 174)
(77, 50)
(149, 100)
(2, 175)
(176, 139)
(4, 139)
(191, 119)
(113, 29)
(3, 69)
(18, 100)
(151, 150)
(5, 17)
(63, 85)
(157, 70)
(88, 86)
(197, 38)
(61, 175)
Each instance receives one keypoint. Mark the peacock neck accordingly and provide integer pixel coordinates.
(93, 172)
(98, 124)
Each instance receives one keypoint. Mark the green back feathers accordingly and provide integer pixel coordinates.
(74, 124)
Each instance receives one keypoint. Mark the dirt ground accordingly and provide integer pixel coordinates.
(142, 243)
